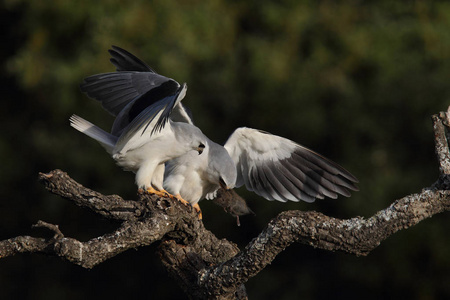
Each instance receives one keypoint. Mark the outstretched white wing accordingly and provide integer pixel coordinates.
(279, 169)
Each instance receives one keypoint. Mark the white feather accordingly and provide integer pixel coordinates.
(107, 140)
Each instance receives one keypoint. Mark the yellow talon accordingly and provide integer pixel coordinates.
(162, 193)
(166, 194)
(198, 210)
(195, 206)
(179, 198)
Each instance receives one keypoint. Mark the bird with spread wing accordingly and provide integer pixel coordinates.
(143, 136)
(271, 166)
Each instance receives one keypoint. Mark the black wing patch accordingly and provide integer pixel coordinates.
(125, 61)
(167, 89)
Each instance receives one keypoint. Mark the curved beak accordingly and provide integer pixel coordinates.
(225, 187)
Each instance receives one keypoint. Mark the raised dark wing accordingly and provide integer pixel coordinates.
(133, 81)
(279, 169)
(116, 90)
(153, 118)
(125, 61)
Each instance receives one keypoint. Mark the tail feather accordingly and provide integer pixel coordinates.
(107, 140)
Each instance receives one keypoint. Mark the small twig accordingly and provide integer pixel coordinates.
(55, 228)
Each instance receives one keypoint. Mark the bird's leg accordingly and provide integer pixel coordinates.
(161, 193)
(166, 193)
(198, 210)
(179, 198)
(195, 206)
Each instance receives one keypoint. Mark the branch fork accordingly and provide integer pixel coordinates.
(210, 268)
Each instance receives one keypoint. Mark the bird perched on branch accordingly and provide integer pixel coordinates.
(143, 136)
(271, 166)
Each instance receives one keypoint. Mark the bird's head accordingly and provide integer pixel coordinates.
(191, 137)
(223, 168)
(199, 140)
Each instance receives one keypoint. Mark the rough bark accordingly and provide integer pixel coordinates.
(207, 267)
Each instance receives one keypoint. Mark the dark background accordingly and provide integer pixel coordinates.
(356, 82)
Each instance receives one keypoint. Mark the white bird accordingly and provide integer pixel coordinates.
(194, 178)
(271, 166)
(143, 137)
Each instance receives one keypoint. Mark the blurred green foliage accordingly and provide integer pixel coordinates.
(356, 81)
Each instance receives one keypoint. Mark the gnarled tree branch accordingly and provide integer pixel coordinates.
(209, 268)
